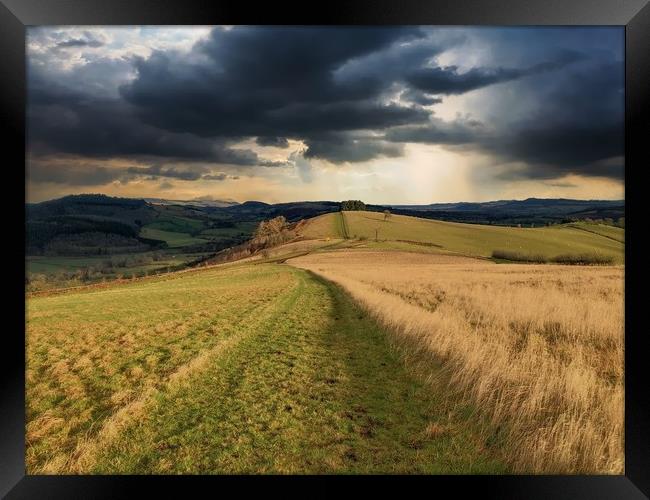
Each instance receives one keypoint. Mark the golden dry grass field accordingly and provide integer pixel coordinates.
(538, 349)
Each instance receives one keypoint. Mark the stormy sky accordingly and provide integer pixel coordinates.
(386, 115)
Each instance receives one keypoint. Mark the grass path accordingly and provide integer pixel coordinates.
(344, 226)
(312, 386)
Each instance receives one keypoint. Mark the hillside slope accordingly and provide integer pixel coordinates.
(405, 232)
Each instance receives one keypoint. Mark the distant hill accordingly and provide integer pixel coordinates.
(195, 203)
(87, 223)
(96, 223)
(511, 212)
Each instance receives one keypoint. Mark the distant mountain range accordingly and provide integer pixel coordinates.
(527, 205)
(518, 211)
(195, 203)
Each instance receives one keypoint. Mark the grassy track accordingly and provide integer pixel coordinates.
(260, 368)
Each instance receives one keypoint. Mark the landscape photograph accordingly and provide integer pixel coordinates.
(325, 250)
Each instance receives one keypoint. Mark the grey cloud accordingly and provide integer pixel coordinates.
(154, 171)
(80, 42)
(219, 177)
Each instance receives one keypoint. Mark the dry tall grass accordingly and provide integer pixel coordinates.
(537, 348)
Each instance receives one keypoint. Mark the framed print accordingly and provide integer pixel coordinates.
(376, 242)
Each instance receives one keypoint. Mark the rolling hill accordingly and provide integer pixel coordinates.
(416, 234)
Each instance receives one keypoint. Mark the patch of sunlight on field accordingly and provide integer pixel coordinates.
(538, 348)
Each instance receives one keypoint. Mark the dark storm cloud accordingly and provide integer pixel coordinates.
(93, 175)
(267, 82)
(270, 83)
(339, 148)
(81, 175)
(278, 142)
(64, 120)
(578, 129)
(447, 80)
(154, 171)
(419, 97)
(460, 131)
(350, 94)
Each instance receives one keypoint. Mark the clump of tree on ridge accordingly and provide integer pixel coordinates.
(269, 233)
(353, 205)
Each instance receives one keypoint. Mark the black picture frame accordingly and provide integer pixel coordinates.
(16, 15)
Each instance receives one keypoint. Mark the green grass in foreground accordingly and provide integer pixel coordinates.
(258, 368)
(478, 240)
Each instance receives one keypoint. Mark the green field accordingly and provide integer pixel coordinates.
(49, 265)
(251, 368)
(176, 224)
(181, 231)
(46, 272)
(246, 227)
(403, 232)
(173, 239)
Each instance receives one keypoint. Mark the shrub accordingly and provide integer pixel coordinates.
(519, 256)
(582, 259)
